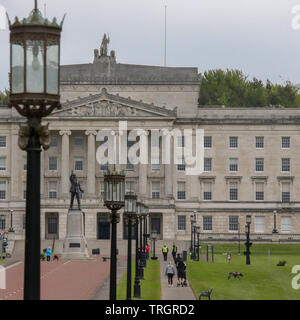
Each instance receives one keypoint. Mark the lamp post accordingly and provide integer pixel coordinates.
(11, 229)
(197, 230)
(137, 287)
(129, 215)
(145, 211)
(114, 192)
(275, 216)
(34, 93)
(154, 236)
(248, 243)
(139, 208)
(239, 226)
(193, 221)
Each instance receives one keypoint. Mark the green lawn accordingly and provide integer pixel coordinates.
(262, 280)
(150, 287)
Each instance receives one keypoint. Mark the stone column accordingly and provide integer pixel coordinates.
(91, 159)
(65, 162)
(14, 167)
(143, 168)
(168, 155)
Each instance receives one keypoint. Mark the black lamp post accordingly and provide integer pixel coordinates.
(114, 192)
(197, 231)
(154, 236)
(145, 211)
(139, 210)
(248, 243)
(129, 215)
(193, 222)
(11, 229)
(275, 216)
(34, 93)
(137, 286)
(239, 231)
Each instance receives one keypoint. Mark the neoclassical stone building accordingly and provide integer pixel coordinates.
(251, 159)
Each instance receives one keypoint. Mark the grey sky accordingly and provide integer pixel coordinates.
(253, 35)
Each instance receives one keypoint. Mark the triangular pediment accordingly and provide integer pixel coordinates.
(109, 105)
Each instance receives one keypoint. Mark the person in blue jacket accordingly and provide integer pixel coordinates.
(48, 253)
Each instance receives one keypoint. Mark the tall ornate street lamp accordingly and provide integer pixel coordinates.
(11, 229)
(275, 216)
(248, 243)
(137, 286)
(114, 193)
(197, 231)
(239, 234)
(193, 221)
(34, 93)
(139, 210)
(129, 215)
(145, 212)
(154, 236)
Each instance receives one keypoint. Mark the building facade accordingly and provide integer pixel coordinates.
(251, 157)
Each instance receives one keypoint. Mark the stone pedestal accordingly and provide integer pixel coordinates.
(75, 245)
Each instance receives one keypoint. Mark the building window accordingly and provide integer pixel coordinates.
(2, 222)
(2, 163)
(78, 166)
(181, 164)
(2, 190)
(181, 191)
(233, 223)
(259, 164)
(181, 223)
(24, 221)
(78, 141)
(207, 191)
(104, 166)
(155, 165)
(207, 223)
(180, 141)
(285, 142)
(52, 163)
(207, 164)
(285, 164)
(285, 192)
(233, 164)
(233, 142)
(259, 224)
(52, 189)
(101, 193)
(53, 141)
(2, 141)
(259, 142)
(259, 191)
(207, 142)
(233, 191)
(155, 189)
(24, 190)
(25, 163)
(130, 186)
(286, 224)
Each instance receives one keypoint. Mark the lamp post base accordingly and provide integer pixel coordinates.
(154, 258)
(137, 289)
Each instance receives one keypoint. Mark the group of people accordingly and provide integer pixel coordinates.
(179, 264)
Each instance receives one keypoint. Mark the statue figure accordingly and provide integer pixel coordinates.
(104, 45)
(75, 190)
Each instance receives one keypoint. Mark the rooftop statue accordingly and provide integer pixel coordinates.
(104, 45)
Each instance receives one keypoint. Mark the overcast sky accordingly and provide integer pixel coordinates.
(255, 36)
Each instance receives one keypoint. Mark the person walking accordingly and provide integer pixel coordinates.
(181, 273)
(165, 251)
(147, 250)
(48, 253)
(170, 273)
(228, 257)
(174, 251)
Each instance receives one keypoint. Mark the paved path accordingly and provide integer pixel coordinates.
(173, 293)
(63, 280)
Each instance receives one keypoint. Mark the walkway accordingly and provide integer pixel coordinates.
(173, 293)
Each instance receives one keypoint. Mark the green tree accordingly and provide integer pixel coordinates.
(4, 97)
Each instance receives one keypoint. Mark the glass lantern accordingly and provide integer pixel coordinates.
(154, 234)
(197, 229)
(130, 203)
(248, 219)
(114, 190)
(35, 63)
